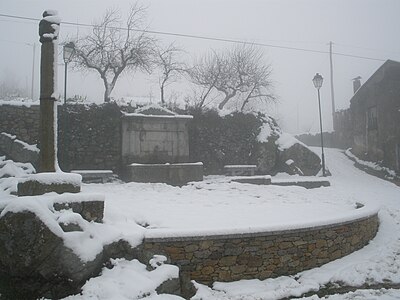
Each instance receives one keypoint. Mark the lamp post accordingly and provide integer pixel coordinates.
(317, 80)
(68, 52)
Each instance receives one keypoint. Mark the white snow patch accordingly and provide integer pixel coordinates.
(370, 164)
(40, 206)
(379, 294)
(20, 102)
(13, 137)
(265, 133)
(157, 261)
(128, 280)
(289, 162)
(169, 164)
(27, 146)
(54, 178)
(286, 140)
(239, 166)
(92, 171)
(158, 116)
(8, 168)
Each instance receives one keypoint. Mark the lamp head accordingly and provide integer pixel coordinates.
(68, 52)
(317, 80)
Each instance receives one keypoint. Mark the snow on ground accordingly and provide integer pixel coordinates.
(378, 262)
(372, 165)
(218, 205)
(128, 280)
(381, 294)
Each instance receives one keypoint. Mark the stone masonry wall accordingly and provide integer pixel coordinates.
(21, 121)
(88, 137)
(261, 255)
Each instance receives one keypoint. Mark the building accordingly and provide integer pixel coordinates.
(375, 116)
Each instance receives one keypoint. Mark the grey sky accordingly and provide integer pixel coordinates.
(357, 27)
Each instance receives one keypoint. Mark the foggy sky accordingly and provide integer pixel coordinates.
(357, 27)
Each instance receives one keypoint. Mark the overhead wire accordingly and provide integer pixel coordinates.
(201, 37)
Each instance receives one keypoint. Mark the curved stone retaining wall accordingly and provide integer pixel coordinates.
(261, 255)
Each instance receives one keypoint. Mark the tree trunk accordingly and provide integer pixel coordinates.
(227, 98)
(108, 89)
(106, 95)
(162, 94)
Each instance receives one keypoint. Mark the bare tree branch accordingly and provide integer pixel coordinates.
(167, 60)
(238, 73)
(115, 47)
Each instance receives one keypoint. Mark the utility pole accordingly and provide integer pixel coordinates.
(33, 70)
(332, 89)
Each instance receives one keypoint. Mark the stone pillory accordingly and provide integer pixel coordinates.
(48, 31)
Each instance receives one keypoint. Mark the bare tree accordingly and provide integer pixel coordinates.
(205, 73)
(114, 47)
(239, 73)
(259, 84)
(171, 67)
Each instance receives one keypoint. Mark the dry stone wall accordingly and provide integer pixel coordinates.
(262, 255)
(21, 121)
(89, 137)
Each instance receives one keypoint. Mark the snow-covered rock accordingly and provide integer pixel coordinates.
(277, 148)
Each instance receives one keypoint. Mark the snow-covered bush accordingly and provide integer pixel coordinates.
(217, 141)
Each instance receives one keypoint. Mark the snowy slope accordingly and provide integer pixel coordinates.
(376, 263)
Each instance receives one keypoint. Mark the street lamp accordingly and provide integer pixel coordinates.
(317, 80)
(68, 52)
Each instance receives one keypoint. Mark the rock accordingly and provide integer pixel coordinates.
(291, 168)
(34, 262)
(303, 159)
(171, 286)
(89, 210)
(69, 227)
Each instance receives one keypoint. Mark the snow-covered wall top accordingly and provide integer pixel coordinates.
(156, 111)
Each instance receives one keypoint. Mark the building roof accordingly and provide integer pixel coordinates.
(377, 76)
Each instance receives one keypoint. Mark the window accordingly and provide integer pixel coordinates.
(372, 118)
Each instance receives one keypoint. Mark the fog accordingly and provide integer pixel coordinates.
(362, 28)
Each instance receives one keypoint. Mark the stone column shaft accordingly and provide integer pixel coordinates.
(48, 30)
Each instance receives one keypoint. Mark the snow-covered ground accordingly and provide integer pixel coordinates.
(216, 205)
(378, 262)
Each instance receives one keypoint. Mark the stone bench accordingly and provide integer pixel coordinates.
(308, 184)
(177, 174)
(95, 176)
(259, 180)
(240, 170)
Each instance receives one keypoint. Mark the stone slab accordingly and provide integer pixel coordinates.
(259, 180)
(173, 174)
(240, 170)
(42, 183)
(95, 176)
(305, 184)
